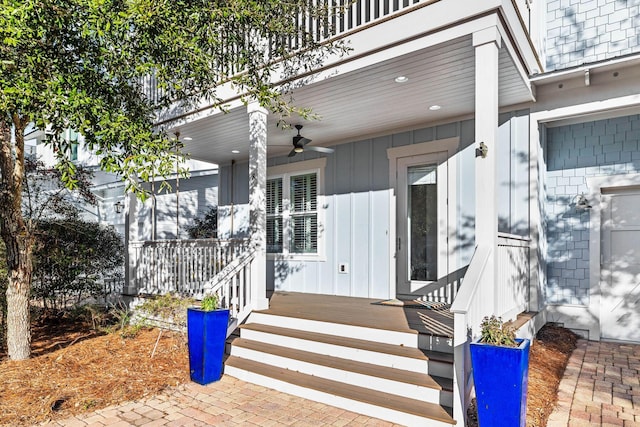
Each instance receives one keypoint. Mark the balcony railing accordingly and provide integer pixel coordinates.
(342, 17)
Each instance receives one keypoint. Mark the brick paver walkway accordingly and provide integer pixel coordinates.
(228, 402)
(601, 386)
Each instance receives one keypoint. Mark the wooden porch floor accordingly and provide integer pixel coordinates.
(374, 313)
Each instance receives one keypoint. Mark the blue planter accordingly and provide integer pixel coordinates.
(501, 375)
(207, 333)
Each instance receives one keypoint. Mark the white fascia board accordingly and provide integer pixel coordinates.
(174, 116)
(521, 37)
(513, 53)
(578, 72)
(395, 50)
(438, 22)
(613, 107)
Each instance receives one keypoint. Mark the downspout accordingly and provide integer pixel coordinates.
(233, 162)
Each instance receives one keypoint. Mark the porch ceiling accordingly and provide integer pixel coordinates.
(366, 103)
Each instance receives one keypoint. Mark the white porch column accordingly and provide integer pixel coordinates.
(130, 235)
(257, 202)
(487, 43)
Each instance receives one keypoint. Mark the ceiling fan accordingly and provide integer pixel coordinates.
(300, 145)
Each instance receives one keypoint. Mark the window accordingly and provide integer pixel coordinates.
(304, 214)
(292, 211)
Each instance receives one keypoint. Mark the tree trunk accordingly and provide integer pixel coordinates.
(18, 316)
(17, 237)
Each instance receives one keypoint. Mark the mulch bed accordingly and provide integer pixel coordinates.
(75, 370)
(548, 359)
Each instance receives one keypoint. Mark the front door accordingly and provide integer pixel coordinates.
(422, 222)
(620, 285)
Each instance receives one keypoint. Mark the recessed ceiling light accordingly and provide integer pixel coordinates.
(401, 79)
(187, 138)
(435, 107)
(235, 151)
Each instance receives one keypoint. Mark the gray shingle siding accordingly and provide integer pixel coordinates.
(584, 31)
(575, 152)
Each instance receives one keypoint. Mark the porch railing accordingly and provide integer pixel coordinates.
(512, 287)
(233, 284)
(468, 310)
(180, 266)
(479, 297)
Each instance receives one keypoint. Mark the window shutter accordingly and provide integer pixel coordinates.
(304, 215)
(274, 215)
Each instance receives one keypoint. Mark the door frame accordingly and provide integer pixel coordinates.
(598, 185)
(607, 248)
(448, 145)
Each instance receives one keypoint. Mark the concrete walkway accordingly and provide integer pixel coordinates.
(228, 402)
(601, 386)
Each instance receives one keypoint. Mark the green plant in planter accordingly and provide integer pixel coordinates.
(210, 303)
(494, 331)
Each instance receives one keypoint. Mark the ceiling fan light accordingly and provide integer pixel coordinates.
(298, 149)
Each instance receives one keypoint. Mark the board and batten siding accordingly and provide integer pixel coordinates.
(357, 221)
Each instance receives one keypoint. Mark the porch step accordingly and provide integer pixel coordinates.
(409, 358)
(404, 383)
(374, 403)
(406, 337)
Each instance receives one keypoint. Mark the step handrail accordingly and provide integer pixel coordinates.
(233, 285)
(467, 310)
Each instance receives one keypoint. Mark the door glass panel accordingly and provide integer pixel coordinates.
(422, 198)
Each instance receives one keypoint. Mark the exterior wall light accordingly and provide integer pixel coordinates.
(482, 150)
(118, 206)
(582, 204)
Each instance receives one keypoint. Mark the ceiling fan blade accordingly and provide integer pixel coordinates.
(300, 141)
(321, 149)
(292, 153)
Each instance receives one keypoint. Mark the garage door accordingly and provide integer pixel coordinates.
(620, 286)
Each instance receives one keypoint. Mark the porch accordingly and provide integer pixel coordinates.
(409, 358)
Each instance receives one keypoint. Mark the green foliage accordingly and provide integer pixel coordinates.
(169, 310)
(210, 303)
(494, 331)
(166, 306)
(85, 65)
(205, 227)
(70, 257)
(82, 64)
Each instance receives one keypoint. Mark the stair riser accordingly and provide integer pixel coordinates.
(433, 343)
(329, 399)
(359, 355)
(398, 388)
(347, 331)
(440, 369)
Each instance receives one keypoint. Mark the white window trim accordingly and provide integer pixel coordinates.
(285, 172)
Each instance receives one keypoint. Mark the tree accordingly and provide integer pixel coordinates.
(71, 255)
(205, 227)
(81, 64)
